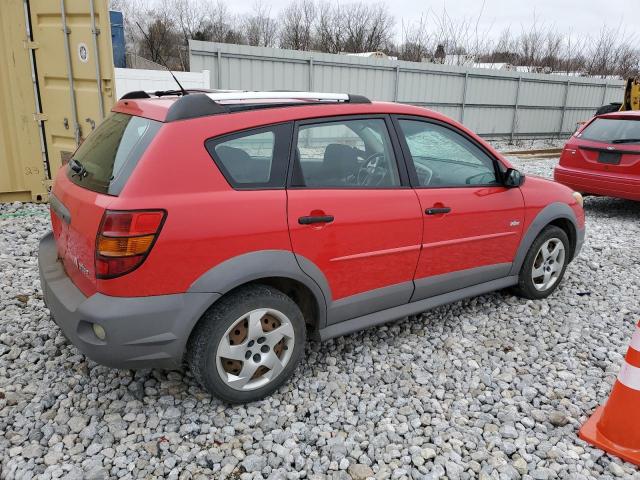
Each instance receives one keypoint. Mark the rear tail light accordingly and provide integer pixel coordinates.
(125, 239)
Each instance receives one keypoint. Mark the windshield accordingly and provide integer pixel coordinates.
(105, 160)
(612, 130)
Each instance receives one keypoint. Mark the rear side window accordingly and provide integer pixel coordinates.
(612, 130)
(112, 151)
(345, 154)
(253, 159)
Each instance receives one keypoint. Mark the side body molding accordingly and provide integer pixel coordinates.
(548, 214)
(239, 270)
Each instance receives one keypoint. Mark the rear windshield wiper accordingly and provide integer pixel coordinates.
(626, 140)
(78, 169)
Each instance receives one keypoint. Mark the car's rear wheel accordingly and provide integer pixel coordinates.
(248, 344)
(544, 265)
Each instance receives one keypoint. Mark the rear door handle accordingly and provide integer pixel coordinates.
(437, 210)
(315, 219)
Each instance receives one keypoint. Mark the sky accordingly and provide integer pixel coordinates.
(580, 17)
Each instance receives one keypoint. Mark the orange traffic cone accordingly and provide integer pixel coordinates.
(615, 427)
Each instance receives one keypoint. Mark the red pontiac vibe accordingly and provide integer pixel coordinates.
(603, 157)
(221, 228)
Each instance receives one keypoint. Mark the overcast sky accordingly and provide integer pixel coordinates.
(582, 17)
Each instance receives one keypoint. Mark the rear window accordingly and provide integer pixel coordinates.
(612, 130)
(253, 159)
(111, 152)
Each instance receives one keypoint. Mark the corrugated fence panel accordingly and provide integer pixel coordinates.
(586, 96)
(494, 103)
(495, 121)
(373, 83)
(491, 90)
(613, 94)
(541, 94)
(426, 87)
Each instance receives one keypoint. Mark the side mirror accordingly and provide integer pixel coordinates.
(513, 178)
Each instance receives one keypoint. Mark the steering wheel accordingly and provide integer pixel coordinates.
(373, 171)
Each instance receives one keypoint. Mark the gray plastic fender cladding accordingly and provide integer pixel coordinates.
(554, 211)
(252, 266)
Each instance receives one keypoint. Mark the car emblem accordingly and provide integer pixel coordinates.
(514, 223)
(611, 148)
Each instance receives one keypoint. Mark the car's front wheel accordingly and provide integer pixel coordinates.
(247, 344)
(545, 264)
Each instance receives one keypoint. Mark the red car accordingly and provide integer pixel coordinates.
(603, 157)
(222, 228)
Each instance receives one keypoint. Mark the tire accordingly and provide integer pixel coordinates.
(612, 107)
(549, 270)
(260, 330)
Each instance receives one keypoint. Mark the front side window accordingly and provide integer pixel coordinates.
(445, 158)
(345, 154)
(111, 152)
(252, 159)
(612, 130)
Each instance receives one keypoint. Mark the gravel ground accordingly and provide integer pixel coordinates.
(492, 387)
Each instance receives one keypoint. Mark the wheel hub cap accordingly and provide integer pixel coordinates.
(548, 264)
(255, 349)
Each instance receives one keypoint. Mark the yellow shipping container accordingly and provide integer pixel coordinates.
(56, 85)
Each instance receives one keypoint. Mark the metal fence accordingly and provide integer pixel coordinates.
(494, 103)
(130, 79)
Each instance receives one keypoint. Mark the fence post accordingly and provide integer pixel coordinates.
(514, 120)
(464, 96)
(397, 82)
(604, 94)
(564, 107)
(311, 74)
(219, 71)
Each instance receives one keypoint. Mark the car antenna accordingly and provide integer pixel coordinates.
(163, 63)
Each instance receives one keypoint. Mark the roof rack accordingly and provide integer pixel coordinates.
(286, 95)
(200, 103)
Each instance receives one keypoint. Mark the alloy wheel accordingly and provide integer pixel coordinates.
(548, 264)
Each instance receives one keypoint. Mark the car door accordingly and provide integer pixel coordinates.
(355, 223)
(472, 222)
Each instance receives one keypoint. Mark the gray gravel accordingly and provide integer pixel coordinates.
(492, 387)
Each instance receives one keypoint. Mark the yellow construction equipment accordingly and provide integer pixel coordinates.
(630, 99)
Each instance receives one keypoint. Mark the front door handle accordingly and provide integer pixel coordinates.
(437, 210)
(315, 219)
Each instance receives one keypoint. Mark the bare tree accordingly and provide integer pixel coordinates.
(329, 28)
(416, 42)
(161, 39)
(259, 28)
(367, 27)
(612, 53)
(297, 22)
(221, 26)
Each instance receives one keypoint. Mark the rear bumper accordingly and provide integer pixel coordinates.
(599, 183)
(141, 332)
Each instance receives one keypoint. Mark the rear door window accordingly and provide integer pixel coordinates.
(345, 154)
(112, 151)
(253, 159)
(612, 130)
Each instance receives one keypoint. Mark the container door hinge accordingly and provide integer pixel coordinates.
(31, 45)
(40, 117)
